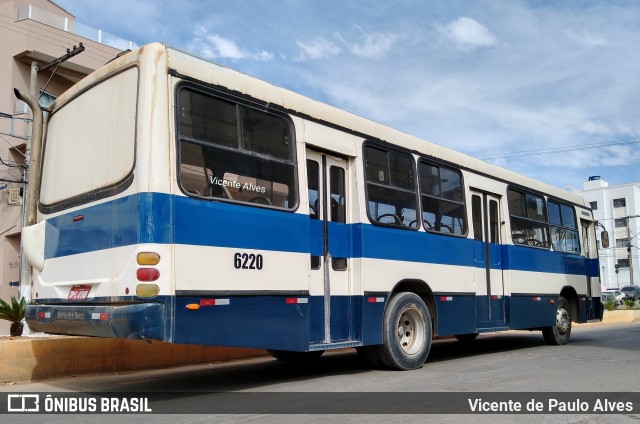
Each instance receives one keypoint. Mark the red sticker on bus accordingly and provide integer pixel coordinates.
(79, 292)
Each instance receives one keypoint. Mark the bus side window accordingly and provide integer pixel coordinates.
(528, 219)
(564, 230)
(476, 213)
(390, 187)
(236, 152)
(192, 170)
(338, 210)
(443, 208)
(313, 184)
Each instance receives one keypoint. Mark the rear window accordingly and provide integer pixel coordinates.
(90, 146)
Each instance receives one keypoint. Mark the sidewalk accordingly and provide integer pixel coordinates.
(39, 356)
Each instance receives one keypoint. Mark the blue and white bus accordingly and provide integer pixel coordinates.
(185, 202)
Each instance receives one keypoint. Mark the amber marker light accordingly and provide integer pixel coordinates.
(147, 290)
(193, 306)
(148, 258)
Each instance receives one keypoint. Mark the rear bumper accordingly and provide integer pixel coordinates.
(134, 321)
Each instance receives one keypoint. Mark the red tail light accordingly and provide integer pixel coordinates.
(147, 274)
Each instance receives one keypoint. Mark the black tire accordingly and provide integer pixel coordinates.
(297, 357)
(406, 332)
(466, 338)
(558, 334)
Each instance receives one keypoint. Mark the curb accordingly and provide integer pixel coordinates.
(620, 316)
(37, 358)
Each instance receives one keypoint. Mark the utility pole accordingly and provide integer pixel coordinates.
(629, 248)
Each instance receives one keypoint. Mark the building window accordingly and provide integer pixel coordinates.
(594, 205)
(46, 99)
(621, 223)
(623, 263)
(619, 203)
(622, 242)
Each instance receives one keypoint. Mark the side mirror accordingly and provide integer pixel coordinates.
(604, 238)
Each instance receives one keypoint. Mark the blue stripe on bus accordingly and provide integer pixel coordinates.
(222, 224)
(147, 218)
(140, 218)
(532, 259)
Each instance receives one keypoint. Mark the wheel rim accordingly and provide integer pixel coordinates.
(563, 321)
(411, 331)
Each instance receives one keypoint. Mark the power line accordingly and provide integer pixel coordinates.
(551, 150)
(14, 165)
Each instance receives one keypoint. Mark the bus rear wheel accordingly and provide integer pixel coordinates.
(558, 334)
(407, 332)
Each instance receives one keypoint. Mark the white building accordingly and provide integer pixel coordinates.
(617, 208)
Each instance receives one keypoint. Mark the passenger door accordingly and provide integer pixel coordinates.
(329, 264)
(490, 302)
(592, 267)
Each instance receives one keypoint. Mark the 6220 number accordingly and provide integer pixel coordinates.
(247, 261)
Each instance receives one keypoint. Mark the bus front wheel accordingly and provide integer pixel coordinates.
(407, 332)
(558, 334)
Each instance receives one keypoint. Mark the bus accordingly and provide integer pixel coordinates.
(182, 201)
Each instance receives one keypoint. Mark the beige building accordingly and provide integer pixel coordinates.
(34, 31)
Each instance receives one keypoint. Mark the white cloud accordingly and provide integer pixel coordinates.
(595, 127)
(468, 33)
(374, 44)
(317, 48)
(214, 46)
(588, 39)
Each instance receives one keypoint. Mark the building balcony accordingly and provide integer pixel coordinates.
(70, 25)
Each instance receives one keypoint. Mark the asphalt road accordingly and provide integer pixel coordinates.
(599, 358)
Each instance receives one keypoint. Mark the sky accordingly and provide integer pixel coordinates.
(549, 89)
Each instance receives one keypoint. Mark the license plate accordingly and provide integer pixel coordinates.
(79, 292)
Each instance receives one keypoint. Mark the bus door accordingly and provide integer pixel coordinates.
(490, 301)
(589, 253)
(329, 263)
